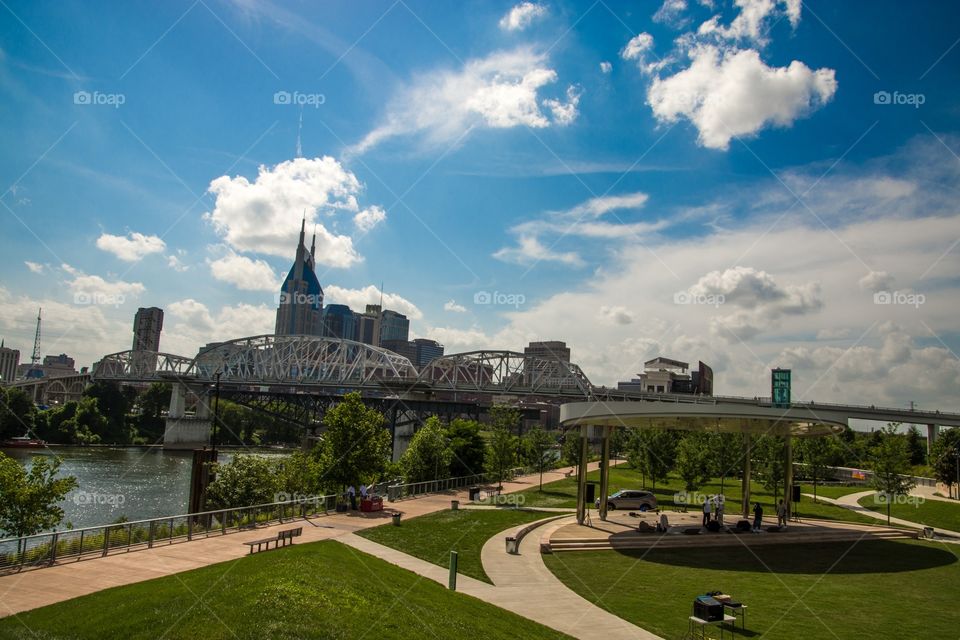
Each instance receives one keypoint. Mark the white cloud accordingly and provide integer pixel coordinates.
(175, 263)
(564, 113)
(451, 305)
(131, 247)
(876, 281)
(521, 16)
(671, 13)
(462, 340)
(616, 314)
(605, 67)
(751, 23)
(190, 324)
(530, 250)
(369, 218)
(245, 273)
(499, 91)
(358, 299)
(727, 95)
(92, 289)
(639, 49)
(34, 267)
(264, 216)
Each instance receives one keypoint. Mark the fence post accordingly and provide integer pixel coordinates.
(53, 548)
(189, 528)
(151, 534)
(106, 540)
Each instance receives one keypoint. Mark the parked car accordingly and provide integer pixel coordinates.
(630, 499)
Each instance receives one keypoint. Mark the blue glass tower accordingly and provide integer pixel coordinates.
(301, 298)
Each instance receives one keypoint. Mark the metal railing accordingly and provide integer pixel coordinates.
(45, 549)
(400, 491)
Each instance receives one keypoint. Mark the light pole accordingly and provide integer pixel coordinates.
(216, 414)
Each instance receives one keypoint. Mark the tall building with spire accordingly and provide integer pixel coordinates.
(300, 311)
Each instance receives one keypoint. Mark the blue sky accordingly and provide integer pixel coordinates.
(735, 182)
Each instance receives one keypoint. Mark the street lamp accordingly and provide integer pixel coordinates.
(216, 414)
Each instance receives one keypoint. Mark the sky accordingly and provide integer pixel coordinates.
(750, 183)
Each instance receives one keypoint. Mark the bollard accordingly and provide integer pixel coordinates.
(396, 519)
(454, 505)
(452, 584)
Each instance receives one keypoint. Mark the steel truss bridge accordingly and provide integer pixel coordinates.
(271, 372)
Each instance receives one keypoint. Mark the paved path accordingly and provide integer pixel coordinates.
(852, 501)
(38, 587)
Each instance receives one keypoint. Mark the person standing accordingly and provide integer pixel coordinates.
(706, 510)
(781, 514)
(757, 516)
(363, 492)
(352, 494)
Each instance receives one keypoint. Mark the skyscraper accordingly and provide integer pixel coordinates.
(147, 325)
(9, 359)
(339, 322)
(301, 298)
(393, 327)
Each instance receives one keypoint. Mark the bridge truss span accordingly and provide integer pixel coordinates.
(143, 366)
(506, 372)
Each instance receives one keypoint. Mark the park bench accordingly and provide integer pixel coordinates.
(282, 539)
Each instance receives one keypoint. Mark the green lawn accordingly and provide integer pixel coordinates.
(432, 537)
(835, 490)
(563, 493)
(879, 589)
(317, 590)
(932, 513)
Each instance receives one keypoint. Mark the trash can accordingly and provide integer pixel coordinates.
(454, 505)
(474, 494)
(928, 533)
(396, 519)
(511, 545)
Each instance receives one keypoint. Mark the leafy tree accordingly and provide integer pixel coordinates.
(819, 454)
(429, 455)
(570, 450)
(85, 424)
(502, 453)
(619, 442)
(355, 446)
(300, 474)
(247, 480)
(505, 417)
(693, 460)
(769, 455)
(891, 461)
(153, 402)
(29, 500)
(114, 405)
(17, 413)
(653, 452)
(725, 454)
(916, 445)
(467, 446)
(541, 444)
(943, 456)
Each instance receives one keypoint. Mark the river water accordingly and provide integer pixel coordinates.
(135, 482)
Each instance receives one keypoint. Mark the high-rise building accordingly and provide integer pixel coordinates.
(339, 321)
(300, 310)
(549, 350)
(147, 325)
(393, 326)
(9, 360)
(402, 347)
(368, 325)
(426, 350)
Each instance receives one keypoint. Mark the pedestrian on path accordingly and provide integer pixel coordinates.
(781, 514)
(757, 517)
(706, 510)
(352, 494)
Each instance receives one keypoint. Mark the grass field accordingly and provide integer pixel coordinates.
(432, 537)
(878, 589)
(932, 513)
(317, 590)
(563, 493)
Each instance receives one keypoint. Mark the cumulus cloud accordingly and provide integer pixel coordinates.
(451, 305)
(605, 67)
(174, 262)
(616, 314)
(522, 16)
(245, 273)
(131, 247)
(358, 299)
(876, 281)
(369, 218)
(190, 324)
(264, 215)
(92, 289)
(730, 94)
(639, 49)
(753, 20)
(499, 91)
(34, 267)
(462, 340)
(671, 13)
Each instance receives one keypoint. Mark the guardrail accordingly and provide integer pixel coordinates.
(46, 549)
(407, 490)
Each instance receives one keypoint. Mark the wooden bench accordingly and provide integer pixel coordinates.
(282, 539)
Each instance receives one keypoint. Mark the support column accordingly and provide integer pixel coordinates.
(605, 471)
(745, 483)
(933, 432)
(178, 401)
(788, 473)
(582, 477)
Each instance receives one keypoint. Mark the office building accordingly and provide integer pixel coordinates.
(664, 375)
(147, 325)
(549, 350)
(425, 351)
(9, 361)
(300, 309)
(339, 321)
(368, 325)
(404, 348)
(52, 367)
(393, 326)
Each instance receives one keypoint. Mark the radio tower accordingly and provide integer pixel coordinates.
(35, 370)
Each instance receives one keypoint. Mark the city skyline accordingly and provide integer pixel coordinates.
(754, 189)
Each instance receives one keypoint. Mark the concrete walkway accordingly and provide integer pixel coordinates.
(852, 502)
(39, 587)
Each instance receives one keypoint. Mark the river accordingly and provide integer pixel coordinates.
(135, 482)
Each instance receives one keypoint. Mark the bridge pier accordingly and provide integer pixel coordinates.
(182, 431)
(933, 432)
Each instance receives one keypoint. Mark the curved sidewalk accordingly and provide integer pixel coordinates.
(525, 586)
(852, 502)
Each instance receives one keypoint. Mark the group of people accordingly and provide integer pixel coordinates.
(352, 495)
(758, 516)
(713, 509)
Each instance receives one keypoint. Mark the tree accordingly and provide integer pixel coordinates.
(429, 455)
(653, 452)
(114, 405)
(943, 457)
(891, 463)
(86, 423)
(570, 449)
(502, 453)
(693, 460)
(153, 402)
(247, 480)
(770, 457)
(467, 446)
(505, 417)
(725, 453)
(916, 446)
(541, 444)
(17, 413)
(355, 446)
(29, 500)
(819, 454)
